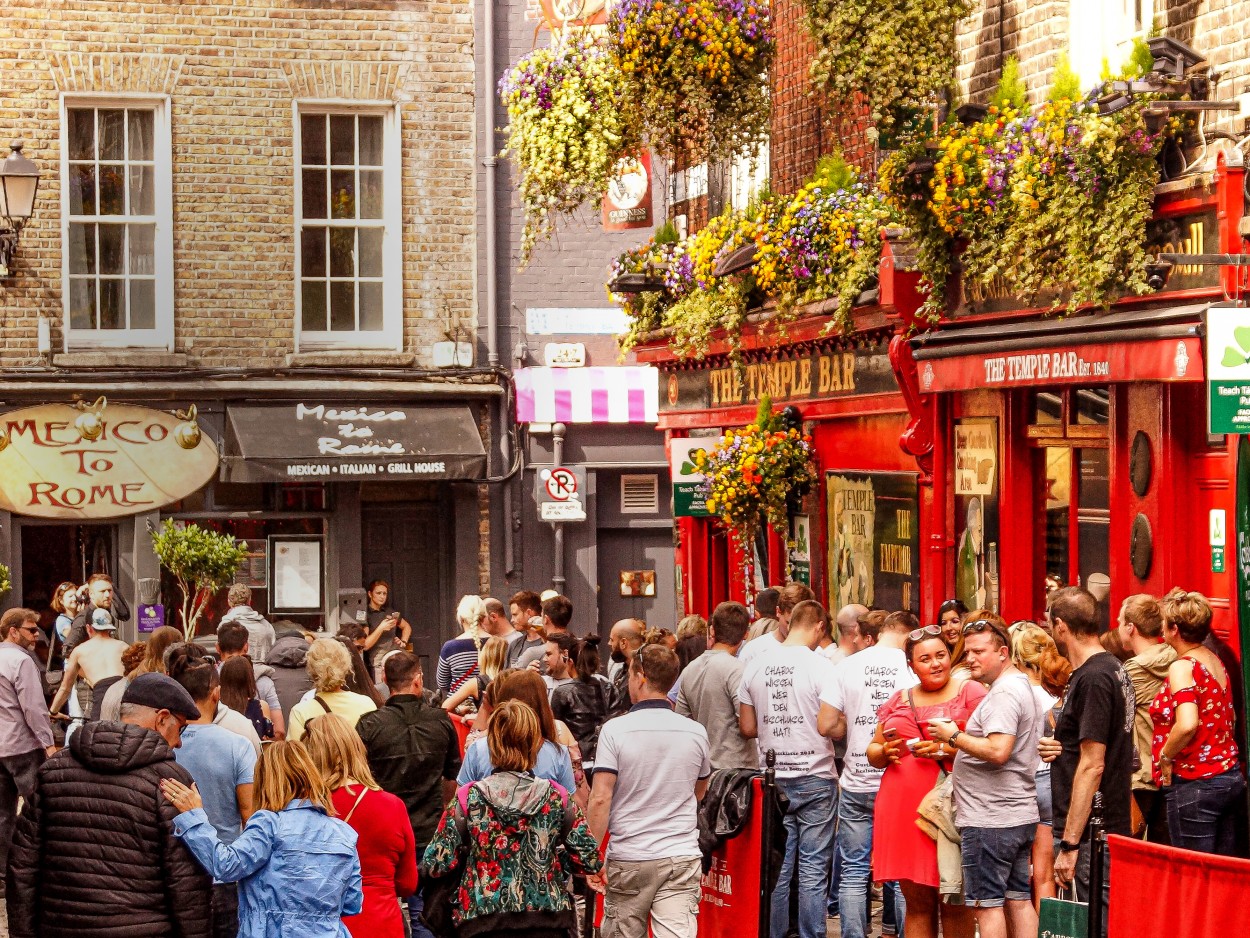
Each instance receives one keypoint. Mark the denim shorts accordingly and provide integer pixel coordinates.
(996, 864)
(1045, 801)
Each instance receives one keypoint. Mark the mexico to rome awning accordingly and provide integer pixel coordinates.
(341, 442)
(626, 394)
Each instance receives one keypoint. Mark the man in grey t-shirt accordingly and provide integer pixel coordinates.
(708, 691)
(995, 792)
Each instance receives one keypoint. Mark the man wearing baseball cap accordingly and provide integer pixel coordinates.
(98, 827)
(100, 656)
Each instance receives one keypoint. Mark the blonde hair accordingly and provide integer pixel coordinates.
(513, 737)
(1189, 613)
(691, 625)
(1033, 650)
(328, 665)
(492, 658)
(471, 613)
(337, 751)
(285, 772)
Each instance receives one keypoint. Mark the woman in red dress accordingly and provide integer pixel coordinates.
(385, 842)
(901, 850)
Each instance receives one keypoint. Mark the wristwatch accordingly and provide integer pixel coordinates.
(954, 736)
(1065, 847)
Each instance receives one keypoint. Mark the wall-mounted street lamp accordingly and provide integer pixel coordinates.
(19, 181)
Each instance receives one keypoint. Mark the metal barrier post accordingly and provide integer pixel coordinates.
(768, 805)
(1097, 848)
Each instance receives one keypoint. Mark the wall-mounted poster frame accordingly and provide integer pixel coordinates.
(976, 512)
(296, 573)
(874, 539)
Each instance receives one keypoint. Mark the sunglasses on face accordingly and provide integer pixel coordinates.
(932, 631)
(29, 629)
(984, 625)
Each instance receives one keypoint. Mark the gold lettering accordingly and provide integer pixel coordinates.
(805, 377)
(848, 371)
(826, 374)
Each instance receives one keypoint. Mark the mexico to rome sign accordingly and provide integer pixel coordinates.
(99, 461)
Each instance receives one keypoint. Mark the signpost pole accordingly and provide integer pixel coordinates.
(557, 527)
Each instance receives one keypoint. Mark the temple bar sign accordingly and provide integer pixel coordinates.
(819, 374)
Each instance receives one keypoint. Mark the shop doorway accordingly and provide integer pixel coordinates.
(53, 553)
(636, 577)
(404, 545)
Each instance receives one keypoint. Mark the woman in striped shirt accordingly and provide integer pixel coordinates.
(457, 660)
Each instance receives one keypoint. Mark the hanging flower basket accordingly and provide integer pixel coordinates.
(749, 475)
(696, 73)
(568, 124)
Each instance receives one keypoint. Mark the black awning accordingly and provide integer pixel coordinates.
(303, 442)
(1130, 325)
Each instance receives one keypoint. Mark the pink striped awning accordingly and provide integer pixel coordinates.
(626, 394)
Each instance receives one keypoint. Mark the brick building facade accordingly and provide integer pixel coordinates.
(250, 207)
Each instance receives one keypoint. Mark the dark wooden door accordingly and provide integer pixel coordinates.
(641, 550)
(404, 545)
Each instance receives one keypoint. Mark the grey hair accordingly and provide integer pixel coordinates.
(133, 712)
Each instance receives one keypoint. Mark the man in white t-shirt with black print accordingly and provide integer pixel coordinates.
(779, 704)
(791, 595)
(848, 710)
(651, 770)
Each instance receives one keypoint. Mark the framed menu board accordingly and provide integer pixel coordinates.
(296, 572)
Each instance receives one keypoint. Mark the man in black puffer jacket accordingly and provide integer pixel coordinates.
(94, 853)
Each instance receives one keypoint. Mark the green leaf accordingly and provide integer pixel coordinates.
(1233, 358)
(687, 468)
(1242, 335)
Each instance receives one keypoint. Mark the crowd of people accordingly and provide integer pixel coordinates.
(266, 781)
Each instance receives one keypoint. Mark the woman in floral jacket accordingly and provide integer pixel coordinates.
(516, 838)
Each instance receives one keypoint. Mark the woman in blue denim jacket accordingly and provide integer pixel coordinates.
(297, 868)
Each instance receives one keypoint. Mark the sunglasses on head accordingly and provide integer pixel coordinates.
(984, 625)
(932, 631)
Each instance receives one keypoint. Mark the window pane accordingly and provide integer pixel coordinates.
(82, 304)
(1057, 507)
(342, 249)
(81, 248)
(343, 140)
(370, 258)
(1047, 409)
(370, 306)
(313, 252)
(142, 304)
(370, 194)
(143, 250)
(1093, 406)
(314, 200)
(313, 140)
(1093, 516)
(142, 190)
(370, 141)
(82, 189)
(82, 134)
(342, 307)
(112, 304)
(142, 144)
(313, 304)
(112, 135)
(342, 193)
(112, 190)
(112, 249)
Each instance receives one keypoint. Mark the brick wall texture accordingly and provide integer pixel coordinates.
(233, 70)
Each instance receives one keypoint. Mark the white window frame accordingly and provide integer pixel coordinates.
(747, 177)
(391, 336)
(162, 336)
(1105, 29)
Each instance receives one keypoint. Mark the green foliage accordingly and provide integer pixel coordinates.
(1011, 91)
(201, 562)
(833, 172)
(6, 581)
(1066, 85)
(1140, 61)
(897, 54)
(666, 234)
(701, 313)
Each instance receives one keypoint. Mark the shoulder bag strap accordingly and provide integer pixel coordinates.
(467, 674)
(324, 706)
(914, 715)
(364, 790)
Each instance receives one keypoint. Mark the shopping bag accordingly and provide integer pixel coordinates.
(1061, 918)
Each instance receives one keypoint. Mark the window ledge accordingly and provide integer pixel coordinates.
(351, 359)
(120, 358)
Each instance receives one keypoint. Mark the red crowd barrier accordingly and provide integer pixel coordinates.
(1165, 892)
(462, 730)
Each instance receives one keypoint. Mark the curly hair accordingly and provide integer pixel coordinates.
(1189, 612)
(328, 664)
(1035, 651)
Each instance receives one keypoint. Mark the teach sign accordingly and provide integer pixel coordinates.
(101, 460)
(1228, 369)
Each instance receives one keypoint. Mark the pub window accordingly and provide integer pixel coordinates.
(117, 206)
(348, 218)
(1070, 429)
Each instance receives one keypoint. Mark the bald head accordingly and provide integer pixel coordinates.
(847, 621)
(626, 638)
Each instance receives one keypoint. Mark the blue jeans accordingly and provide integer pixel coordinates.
(855, 864)
(810, 822)
(416, 904)
(1200, 812)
